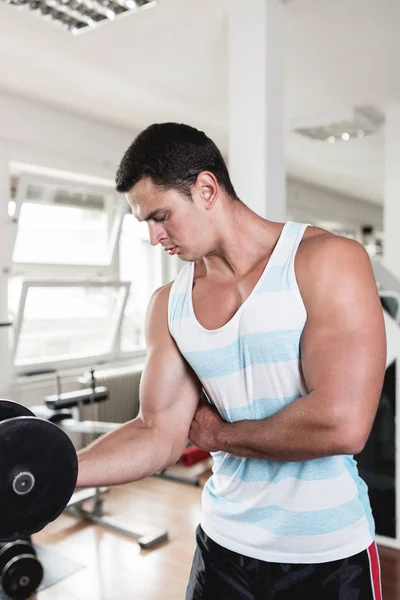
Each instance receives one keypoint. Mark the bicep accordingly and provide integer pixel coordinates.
(343, 346)
(169, 390)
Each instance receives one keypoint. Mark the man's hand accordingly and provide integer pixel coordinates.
(206, 427)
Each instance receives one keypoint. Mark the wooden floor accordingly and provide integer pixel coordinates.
(115, 568)
(390, 568)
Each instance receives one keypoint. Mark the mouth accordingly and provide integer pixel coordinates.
(171, 250)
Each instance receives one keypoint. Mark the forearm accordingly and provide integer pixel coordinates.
(131, 452)
(303, 430)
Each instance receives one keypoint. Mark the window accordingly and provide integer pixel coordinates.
(61, 222)
(139, 263)
(59, 321)
(82, 276)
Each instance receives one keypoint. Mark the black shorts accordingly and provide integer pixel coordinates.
(220, 574)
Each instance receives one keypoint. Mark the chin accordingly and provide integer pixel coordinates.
(189, 255)
(185, 256)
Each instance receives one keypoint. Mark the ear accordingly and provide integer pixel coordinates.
(207, 189)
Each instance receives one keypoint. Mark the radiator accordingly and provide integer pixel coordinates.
(123, 388)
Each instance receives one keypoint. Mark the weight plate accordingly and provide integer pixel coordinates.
(10, 409)
(11, 549)
(21, 576)
(38, 472)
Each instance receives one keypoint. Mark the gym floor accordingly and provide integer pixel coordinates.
(115, 568)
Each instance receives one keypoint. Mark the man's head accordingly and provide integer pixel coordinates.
(172, 155)
(173, 175)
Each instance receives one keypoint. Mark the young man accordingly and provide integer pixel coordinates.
(282, 326)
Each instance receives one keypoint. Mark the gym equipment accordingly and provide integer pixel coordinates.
(20, 570)
(77, 398)
(178, 477)
(192, 455)
(38, 471)
(10, 409)
(59, 409)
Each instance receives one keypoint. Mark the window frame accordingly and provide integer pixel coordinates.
(27, 179)
(57, 364)
(59, 274)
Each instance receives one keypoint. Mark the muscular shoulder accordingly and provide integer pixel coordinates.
(327, 262)
(157, 311)
(320, 248)
(161, 295)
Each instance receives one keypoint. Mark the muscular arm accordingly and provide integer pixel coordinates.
(343, 355)
(169, 394)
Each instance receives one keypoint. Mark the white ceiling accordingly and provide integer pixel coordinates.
(170, 63)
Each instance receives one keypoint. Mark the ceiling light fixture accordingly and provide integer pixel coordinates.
(358, 122)
(80, 15)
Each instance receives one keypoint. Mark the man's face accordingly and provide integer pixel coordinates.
(173, 221)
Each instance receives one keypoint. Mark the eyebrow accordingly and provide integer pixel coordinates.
(152, 214)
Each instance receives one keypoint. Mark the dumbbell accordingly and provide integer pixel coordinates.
(38, 471)
(20, 571)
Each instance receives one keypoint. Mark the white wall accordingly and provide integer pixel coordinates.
(34, 134)
(392, 189)
(38, 135)
(309, 203)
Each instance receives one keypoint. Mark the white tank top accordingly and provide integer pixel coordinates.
(294, 512)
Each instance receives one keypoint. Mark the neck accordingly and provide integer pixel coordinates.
(243, 240)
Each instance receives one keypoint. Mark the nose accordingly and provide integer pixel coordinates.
(156, 233)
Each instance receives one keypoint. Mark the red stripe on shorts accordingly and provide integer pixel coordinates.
(375, 570)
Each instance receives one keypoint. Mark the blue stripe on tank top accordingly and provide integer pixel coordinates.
(252, 349)
(258, 409)
(252, 470)
(275, 279)
(284, 522)
(179, 307)
(351, 466)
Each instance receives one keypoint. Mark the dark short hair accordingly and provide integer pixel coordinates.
(172, 155)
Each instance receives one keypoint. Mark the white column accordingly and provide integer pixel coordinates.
(6, 249)
(256, 110)
(391, 218)
(391, 260)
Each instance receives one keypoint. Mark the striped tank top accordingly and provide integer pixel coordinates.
(294, 512)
